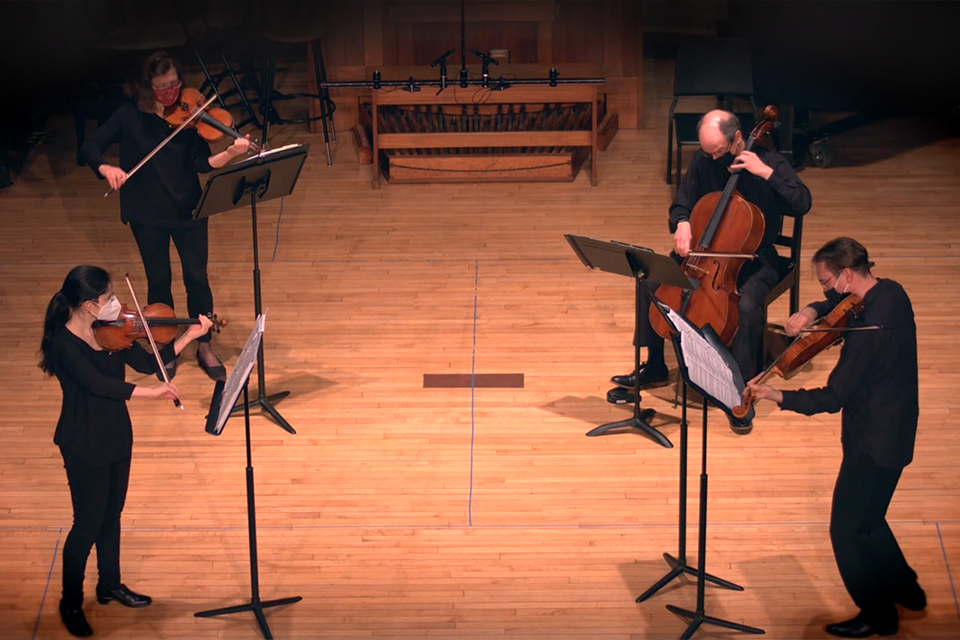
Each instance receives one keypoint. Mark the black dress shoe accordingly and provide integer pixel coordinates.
(124, 596)
(649, 377)
(619, 395)
(913, 598)
(742, 426)
(215, 371)
(75, 622)
(860, 628)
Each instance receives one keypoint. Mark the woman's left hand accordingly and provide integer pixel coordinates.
(240, 146)
(197, 330)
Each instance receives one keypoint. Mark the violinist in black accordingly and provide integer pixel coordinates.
(875, 387)
(94, 432)
(158, 200)
(767, 181)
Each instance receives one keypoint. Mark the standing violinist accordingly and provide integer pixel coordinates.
(875, 387)
(767, 181)
(94, 432)
(158, 201)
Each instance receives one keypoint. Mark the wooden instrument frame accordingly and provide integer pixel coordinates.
(456, 95)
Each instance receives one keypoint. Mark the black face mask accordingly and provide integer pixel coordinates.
(725, 160)
(834, 297)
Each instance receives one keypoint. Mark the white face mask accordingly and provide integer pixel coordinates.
(110, 311)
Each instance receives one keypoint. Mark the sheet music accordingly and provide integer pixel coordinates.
(267, 152)
(707, 369)
(241, 371)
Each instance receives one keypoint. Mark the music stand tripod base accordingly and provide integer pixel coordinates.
(640, 264)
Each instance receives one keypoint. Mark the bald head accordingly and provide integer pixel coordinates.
(718, 132)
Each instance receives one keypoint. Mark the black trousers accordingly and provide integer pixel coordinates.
(191, 244)
(757, 278)
(97, 493)
(871, 563)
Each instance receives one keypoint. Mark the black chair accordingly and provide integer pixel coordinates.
(297, 23)
(789, 267)
(719, 67)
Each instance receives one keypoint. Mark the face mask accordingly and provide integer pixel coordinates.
(110, 311)
(167, 97)
(846, 287)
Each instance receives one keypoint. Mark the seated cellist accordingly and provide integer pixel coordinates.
(767, 181)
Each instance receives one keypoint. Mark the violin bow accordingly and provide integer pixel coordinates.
(153, 344)
(183, 125)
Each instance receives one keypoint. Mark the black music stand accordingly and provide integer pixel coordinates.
(707, 366)
(642, 265)
(216, 419)
(268, 175)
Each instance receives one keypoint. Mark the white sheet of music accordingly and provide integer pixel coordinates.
(706, 368)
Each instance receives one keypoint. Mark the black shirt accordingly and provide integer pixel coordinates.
(875, 382)
(783, 192)
(94, 424)
(166, 189)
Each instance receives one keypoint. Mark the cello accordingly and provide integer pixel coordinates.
(728, 230)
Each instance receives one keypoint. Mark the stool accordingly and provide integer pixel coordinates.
(298, 23)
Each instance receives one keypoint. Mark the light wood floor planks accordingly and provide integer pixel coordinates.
(403, 512)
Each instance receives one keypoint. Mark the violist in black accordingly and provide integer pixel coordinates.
(768, 181)
(875, 387)
(158, 201)
(94, 432)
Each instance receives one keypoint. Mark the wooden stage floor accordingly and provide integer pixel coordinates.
(399, 511)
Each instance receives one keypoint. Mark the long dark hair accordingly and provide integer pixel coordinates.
(140, 88)
(83, 283)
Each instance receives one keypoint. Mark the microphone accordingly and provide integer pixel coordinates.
(442, 59)
(485, 71)
(486, 59)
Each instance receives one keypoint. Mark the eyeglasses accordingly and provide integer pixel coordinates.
(826, 284)
(164, 87)
(719, 152)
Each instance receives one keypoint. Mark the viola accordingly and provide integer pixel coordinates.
(119, 334)
(728, 230)
(808, 344)
(212, 124)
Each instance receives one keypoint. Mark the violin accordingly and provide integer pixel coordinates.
(808, 344)
(185, 112)
(728, 230)
(119, 334)
(212, 123)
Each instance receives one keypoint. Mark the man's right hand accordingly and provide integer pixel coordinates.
(799, 320)
(115, 175)
(681, 239)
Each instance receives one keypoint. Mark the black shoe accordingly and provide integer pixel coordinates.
(649, 377)
(214, 372)
(742, 426)
(619, 395)
(913, 598)
(75, 622)
(860, 628)
(124, 596)
(171, 368)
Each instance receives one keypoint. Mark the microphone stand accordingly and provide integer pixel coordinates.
(442, 61)
(485, 72)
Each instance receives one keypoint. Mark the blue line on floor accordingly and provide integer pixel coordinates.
(473, 389)
(46, 587)
(946, 561)
(276, 240)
